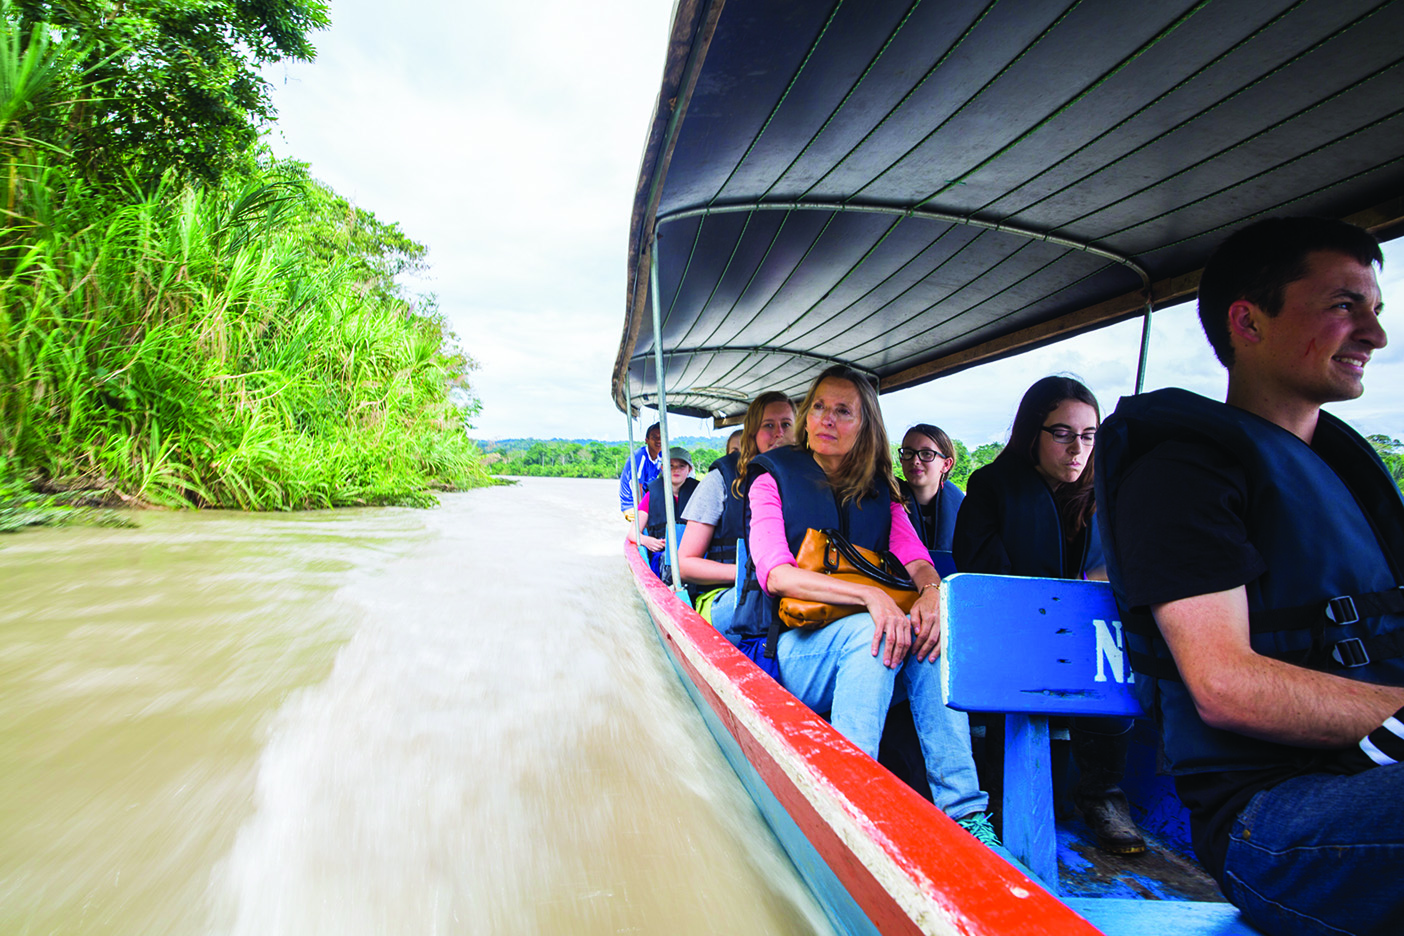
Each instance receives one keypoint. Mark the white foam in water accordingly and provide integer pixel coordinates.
(502, 748)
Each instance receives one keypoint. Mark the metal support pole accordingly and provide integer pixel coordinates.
(631, 464)
(660, 375)
(1145, 348)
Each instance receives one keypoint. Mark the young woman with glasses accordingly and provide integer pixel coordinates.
(1030, 512)
(927, 457)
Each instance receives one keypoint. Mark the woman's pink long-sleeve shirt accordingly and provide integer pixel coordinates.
(770, 549)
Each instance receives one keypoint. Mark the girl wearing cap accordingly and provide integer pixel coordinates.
(655, 509)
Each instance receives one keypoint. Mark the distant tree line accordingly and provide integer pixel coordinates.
(586, 458)
(570, 458)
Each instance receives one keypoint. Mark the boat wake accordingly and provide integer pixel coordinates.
(501, 748)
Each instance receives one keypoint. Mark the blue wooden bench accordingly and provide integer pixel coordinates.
(1031, 648)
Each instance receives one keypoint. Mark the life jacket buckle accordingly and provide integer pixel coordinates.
(1341, 611)
(1350, 653)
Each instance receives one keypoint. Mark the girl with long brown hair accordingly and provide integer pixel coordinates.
(1030, 512)
(714, 515)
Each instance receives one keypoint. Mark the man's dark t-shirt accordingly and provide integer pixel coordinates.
(1180, 532)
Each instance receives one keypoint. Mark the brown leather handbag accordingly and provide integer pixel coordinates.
(829, 552)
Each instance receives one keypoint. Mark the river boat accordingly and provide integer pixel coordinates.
(913, 188)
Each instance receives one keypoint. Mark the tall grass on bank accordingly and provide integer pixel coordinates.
(212, 347)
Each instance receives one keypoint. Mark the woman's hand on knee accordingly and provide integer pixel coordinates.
(892, 631)
(926, 626)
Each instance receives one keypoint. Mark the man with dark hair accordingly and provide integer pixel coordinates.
(1256, 548)
(641, 468)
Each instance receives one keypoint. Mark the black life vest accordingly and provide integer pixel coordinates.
(809, 502)
(732, 524)
(1329, 522)
(948, 499)
(1030, 529)
(657, 521)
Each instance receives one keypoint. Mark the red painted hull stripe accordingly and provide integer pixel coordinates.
(909, 867)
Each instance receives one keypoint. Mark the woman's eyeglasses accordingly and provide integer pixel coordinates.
(926, 455)
(1064, 436)
(839, 411)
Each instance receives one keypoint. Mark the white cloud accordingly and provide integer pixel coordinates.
(506, 137)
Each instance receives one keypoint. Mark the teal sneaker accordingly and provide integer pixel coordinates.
(978, 825)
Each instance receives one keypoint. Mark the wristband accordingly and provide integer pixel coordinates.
(1385, 745)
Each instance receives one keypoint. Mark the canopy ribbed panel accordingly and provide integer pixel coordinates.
(837, 181)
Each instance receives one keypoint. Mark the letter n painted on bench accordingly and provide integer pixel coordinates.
(1109, 651)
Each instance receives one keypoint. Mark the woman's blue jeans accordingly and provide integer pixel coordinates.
(1322, 854)
(833, 670)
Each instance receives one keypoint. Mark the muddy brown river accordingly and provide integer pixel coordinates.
(384, 721)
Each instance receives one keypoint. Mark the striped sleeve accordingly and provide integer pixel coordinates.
(1385, 745)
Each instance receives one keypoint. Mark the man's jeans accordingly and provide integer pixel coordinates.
(833, 670)
(1322, 854)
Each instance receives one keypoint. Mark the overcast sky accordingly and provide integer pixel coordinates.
(507, 138)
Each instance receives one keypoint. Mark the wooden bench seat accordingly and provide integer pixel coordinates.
(1031, 648)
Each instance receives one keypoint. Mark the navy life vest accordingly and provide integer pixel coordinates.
(1329, 522)
(657, 522)
(948, 498)
(1030, 527)
(732, 524)
(809, 503)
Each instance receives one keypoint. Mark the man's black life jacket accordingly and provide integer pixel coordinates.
(1330, 598)
(809, 503)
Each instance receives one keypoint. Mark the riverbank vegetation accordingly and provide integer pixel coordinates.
(183, 320)
(590, 458)
(578, 458)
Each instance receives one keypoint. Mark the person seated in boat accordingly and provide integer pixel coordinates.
(1029, 512)
(838, 476)
(643, 466)
(733, 442)
(707, 554)
(1255, 548)
(654, 508)
(927, 457)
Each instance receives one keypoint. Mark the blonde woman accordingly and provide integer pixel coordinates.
(715, 515)
(838, 475)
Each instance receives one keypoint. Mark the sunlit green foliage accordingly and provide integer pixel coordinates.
(965, 460)
(1391, 452)
(241, 344)
(702, 459)
(169, 84)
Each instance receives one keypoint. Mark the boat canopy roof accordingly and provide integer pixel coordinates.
(913, 187)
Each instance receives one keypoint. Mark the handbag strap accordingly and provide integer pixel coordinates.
(861, 562)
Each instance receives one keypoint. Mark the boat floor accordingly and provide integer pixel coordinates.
(1160, 873)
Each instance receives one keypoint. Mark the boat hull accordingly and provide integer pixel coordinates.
(878, 857)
